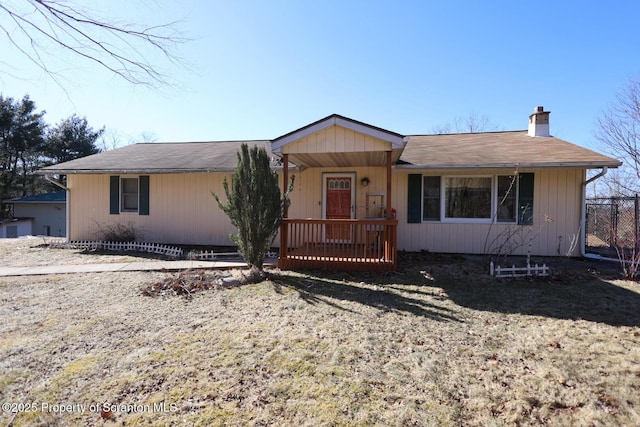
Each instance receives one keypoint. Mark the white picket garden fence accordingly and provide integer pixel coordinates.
(513, 271)
(154, 248)
(93, 245)
(212, 255)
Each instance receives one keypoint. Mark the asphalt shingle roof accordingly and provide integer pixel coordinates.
(160, 158)
(471, 150)
(498, 149)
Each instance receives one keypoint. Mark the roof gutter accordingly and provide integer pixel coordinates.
(539, 165)
(139, 171)
(583, 216)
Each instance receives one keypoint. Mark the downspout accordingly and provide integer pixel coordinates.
(67, 198)
(583, 217)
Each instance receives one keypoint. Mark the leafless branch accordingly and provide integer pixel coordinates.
(117, 47)
(618, 129)
(472, 123)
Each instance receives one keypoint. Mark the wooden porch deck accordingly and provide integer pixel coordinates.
(354, 244)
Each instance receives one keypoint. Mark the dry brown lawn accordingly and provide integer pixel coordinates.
(434, 344)
(34, 251)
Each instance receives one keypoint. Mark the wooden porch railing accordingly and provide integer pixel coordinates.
(344, 244)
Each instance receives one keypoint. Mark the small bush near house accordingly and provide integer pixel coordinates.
(629, 260)
(118, 233)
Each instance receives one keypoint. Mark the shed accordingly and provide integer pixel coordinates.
(48, 212)
(15, 227)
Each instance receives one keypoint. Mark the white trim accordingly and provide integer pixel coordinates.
(466, 221)
(496, 196)
(277, 146)
(493, 219)
(121, 196)
(440, 197)
(396, 141)
(443, 201)
(67, 214)
(540, 165)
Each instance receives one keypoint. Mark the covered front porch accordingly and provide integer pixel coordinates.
(340, 221)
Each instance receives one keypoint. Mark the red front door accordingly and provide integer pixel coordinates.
(338, 206)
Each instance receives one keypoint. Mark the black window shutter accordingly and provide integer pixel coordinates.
(414, 199)
(114, 195)
(144, 195)
(525, 198)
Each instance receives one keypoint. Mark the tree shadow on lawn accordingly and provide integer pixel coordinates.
(577, 289)
(574, 291)
(314, 289)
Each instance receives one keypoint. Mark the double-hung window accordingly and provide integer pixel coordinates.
(129, 195)
(431, 198)
(507, 199)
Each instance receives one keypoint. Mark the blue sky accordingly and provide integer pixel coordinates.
(259, 69)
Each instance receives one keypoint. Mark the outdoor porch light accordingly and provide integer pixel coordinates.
(364, 181)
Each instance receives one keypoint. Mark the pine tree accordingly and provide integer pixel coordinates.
(255, 204)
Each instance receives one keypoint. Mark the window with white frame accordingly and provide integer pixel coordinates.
(500, 198)
(467, 197)
(507, 200)
(431, 198)
(129, 194)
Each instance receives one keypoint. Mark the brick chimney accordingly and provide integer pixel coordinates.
(539, 122)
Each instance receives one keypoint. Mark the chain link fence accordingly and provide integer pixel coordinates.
(611, 222)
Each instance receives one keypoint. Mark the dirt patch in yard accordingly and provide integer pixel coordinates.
(187, 283)
(437, 343)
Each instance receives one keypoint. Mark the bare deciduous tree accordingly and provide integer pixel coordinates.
(472, 123)
(148, 136)
(619, 130)
(41, 29)
(112, 139)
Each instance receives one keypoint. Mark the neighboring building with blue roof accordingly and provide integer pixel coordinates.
(49, 212)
